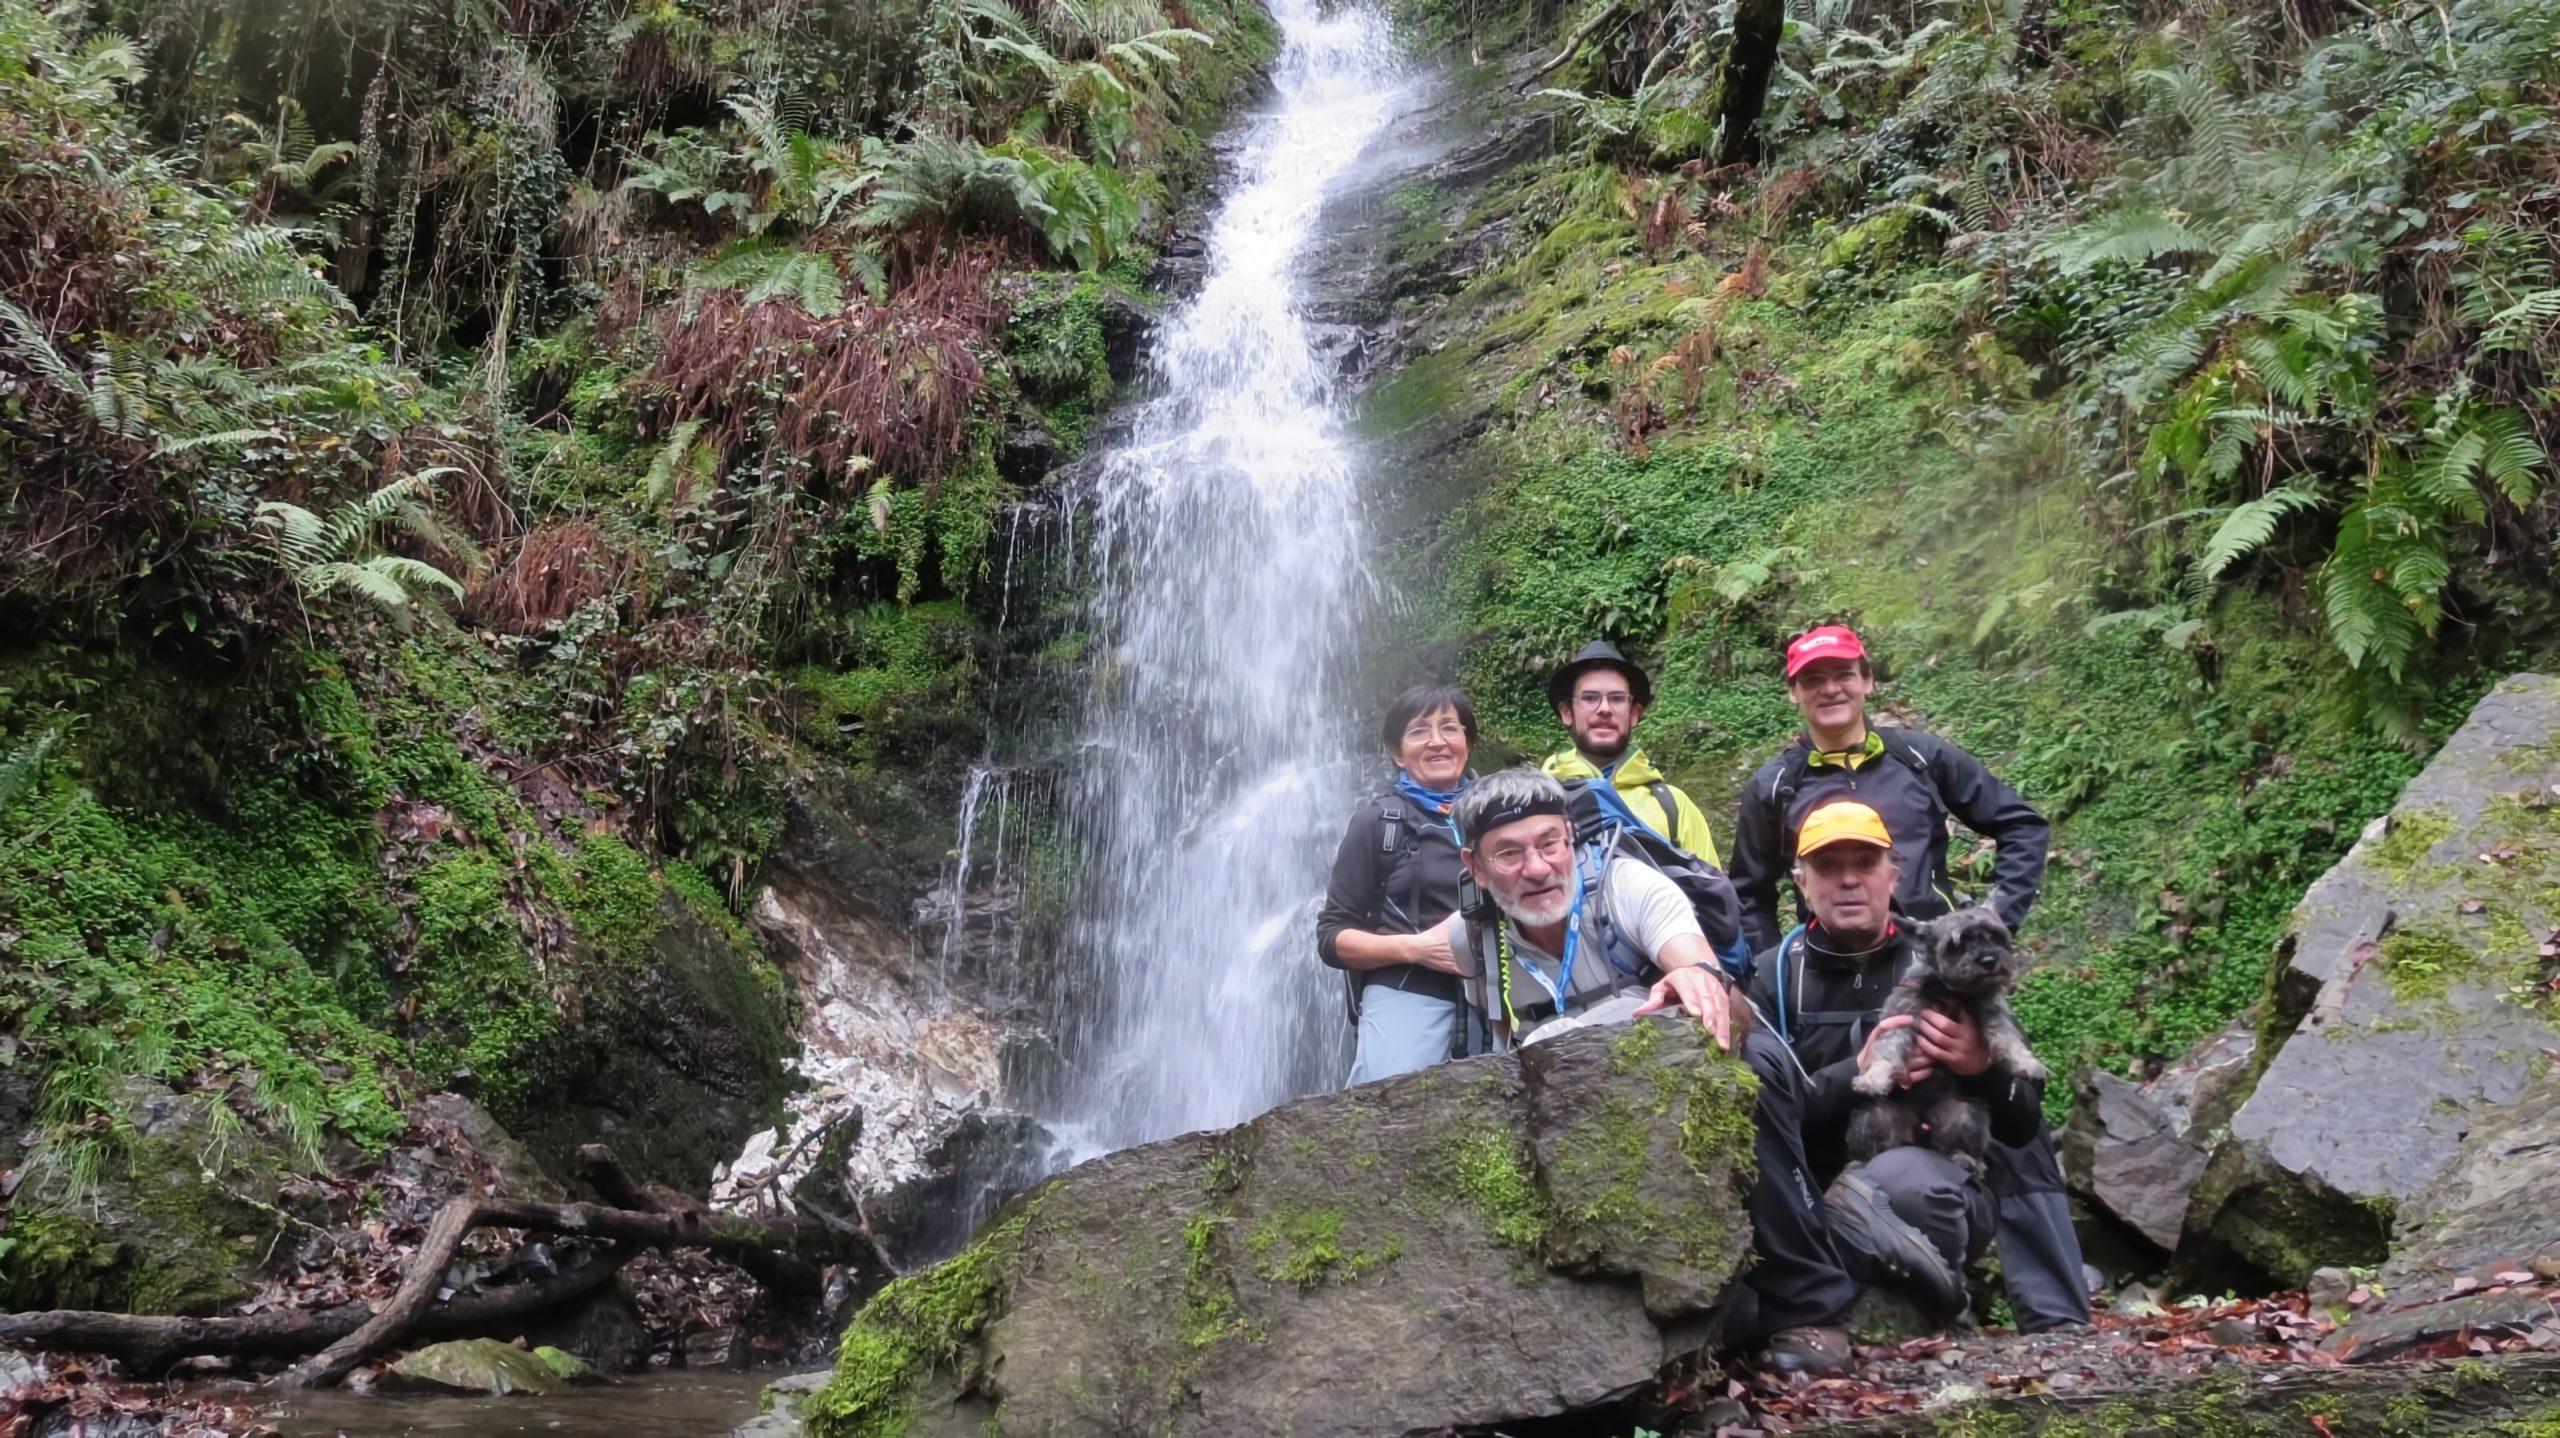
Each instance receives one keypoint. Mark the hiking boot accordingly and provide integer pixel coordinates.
(1814, 1350)
(1886, 1246)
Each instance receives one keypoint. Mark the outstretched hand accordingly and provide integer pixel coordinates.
(1702, 995)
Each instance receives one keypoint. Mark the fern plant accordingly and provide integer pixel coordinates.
(340, 554)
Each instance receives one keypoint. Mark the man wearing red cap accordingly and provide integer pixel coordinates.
(1914, 781)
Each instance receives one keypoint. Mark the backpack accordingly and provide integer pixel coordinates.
(1399, 834)
(1602, 823)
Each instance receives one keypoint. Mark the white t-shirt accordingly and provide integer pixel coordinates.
(1647, 912)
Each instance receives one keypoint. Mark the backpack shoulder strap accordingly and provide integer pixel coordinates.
(1793, 762)
(1898, 743)
(1391, 824)
(1667, 797)
(1595, 906)
(1778, 964)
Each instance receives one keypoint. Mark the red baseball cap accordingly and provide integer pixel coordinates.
(1831, 641)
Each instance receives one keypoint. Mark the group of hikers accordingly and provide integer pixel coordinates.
(1472, 914)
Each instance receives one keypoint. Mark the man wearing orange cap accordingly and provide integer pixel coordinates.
(1909, 1217)
(1914, 781)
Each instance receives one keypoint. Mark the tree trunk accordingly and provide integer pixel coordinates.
(1742, 90)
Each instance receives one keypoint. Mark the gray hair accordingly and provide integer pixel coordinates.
(1502, 797)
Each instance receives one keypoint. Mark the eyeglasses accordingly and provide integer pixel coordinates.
(1423, 729)
(1506, 857)
(1600, 699)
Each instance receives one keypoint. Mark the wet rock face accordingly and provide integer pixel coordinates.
(2409, 986)
(698, 1065)
(1496, 1240)
(903, 1074)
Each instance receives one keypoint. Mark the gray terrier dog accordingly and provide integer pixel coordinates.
(1967, 965)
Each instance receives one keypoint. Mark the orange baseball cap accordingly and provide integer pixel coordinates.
(1831, 641)
(1842, 822)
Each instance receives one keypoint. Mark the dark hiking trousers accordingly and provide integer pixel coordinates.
(2039, 1252)
(2027, 1210)
(1798, 1278)
(1933, 1194)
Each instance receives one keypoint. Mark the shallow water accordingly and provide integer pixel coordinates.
(679, 1404)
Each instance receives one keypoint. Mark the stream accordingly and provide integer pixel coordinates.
(665, 1404)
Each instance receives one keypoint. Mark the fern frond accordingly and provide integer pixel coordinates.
(669, 462)
(27, 339)
(300, 535)
(2246, 530)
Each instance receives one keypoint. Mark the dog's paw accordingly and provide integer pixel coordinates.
(1875, 1081)
(2028, 1066)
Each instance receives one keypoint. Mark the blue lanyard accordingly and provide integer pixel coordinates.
(1563, 984)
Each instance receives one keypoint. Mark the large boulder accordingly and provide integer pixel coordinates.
(2478, 1249)
(2134, 1152)
(2408, 982)
(1499, 1240)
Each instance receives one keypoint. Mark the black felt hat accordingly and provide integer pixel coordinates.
(1599, 654)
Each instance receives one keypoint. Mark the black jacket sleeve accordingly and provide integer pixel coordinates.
(2016, 1104)
(1359, 879)
(1756, 863)
(1991, 808)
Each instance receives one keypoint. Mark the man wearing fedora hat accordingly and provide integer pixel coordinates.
(1600, 696)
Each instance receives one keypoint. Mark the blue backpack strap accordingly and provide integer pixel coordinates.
(1778, 980)
(1593, 865)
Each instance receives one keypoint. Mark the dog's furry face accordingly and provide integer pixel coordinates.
(1969, 953)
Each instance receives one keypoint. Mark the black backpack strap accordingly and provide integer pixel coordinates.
(1898, 744)
(1664, 795)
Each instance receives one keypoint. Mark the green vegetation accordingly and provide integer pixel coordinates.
(907, 1329)
(435, 523)
(2158, 393)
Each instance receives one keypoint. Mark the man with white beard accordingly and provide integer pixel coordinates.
(1573, 937)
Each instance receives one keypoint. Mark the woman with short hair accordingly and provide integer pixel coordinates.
(1394, 886)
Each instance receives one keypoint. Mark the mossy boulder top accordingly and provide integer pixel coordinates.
(1501, 1239)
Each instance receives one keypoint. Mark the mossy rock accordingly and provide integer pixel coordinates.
(180, 1221)
(1400, 1255)
(2403, 1002)
(2517, 1397)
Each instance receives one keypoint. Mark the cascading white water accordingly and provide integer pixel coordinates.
(1218, 756)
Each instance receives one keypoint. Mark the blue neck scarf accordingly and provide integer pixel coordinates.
(1436, 801)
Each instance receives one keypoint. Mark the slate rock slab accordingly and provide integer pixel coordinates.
(2399, 986)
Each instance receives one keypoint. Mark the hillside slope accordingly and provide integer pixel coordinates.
(2165, 392)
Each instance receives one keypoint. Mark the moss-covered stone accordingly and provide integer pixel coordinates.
(1408, 1231)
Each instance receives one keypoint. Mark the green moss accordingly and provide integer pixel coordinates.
(1307, 1250)
(2421, 964)
(2413, 833)
(1210, 1313)
(909, 1330)
(1488, 1171)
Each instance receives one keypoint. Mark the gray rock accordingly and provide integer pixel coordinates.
(2329, 1288)
(469, 1365)
(603, 1328)
(2127, 1156)
(2494, 1210)
(716, 1348)
(1504, 1239)
(782, 1400)
(2394, 981)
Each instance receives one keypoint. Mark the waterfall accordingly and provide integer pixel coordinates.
(1218, 752)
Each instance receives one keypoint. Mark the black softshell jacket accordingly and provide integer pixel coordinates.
(1832, 1004)
(1913, 786)
(1397, 872)
(1828, 1019)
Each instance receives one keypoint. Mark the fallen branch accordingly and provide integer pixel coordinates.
(1573, 42)
(737, 1239)
(150, 1344)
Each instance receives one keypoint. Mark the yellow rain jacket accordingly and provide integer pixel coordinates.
(1636, 781)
